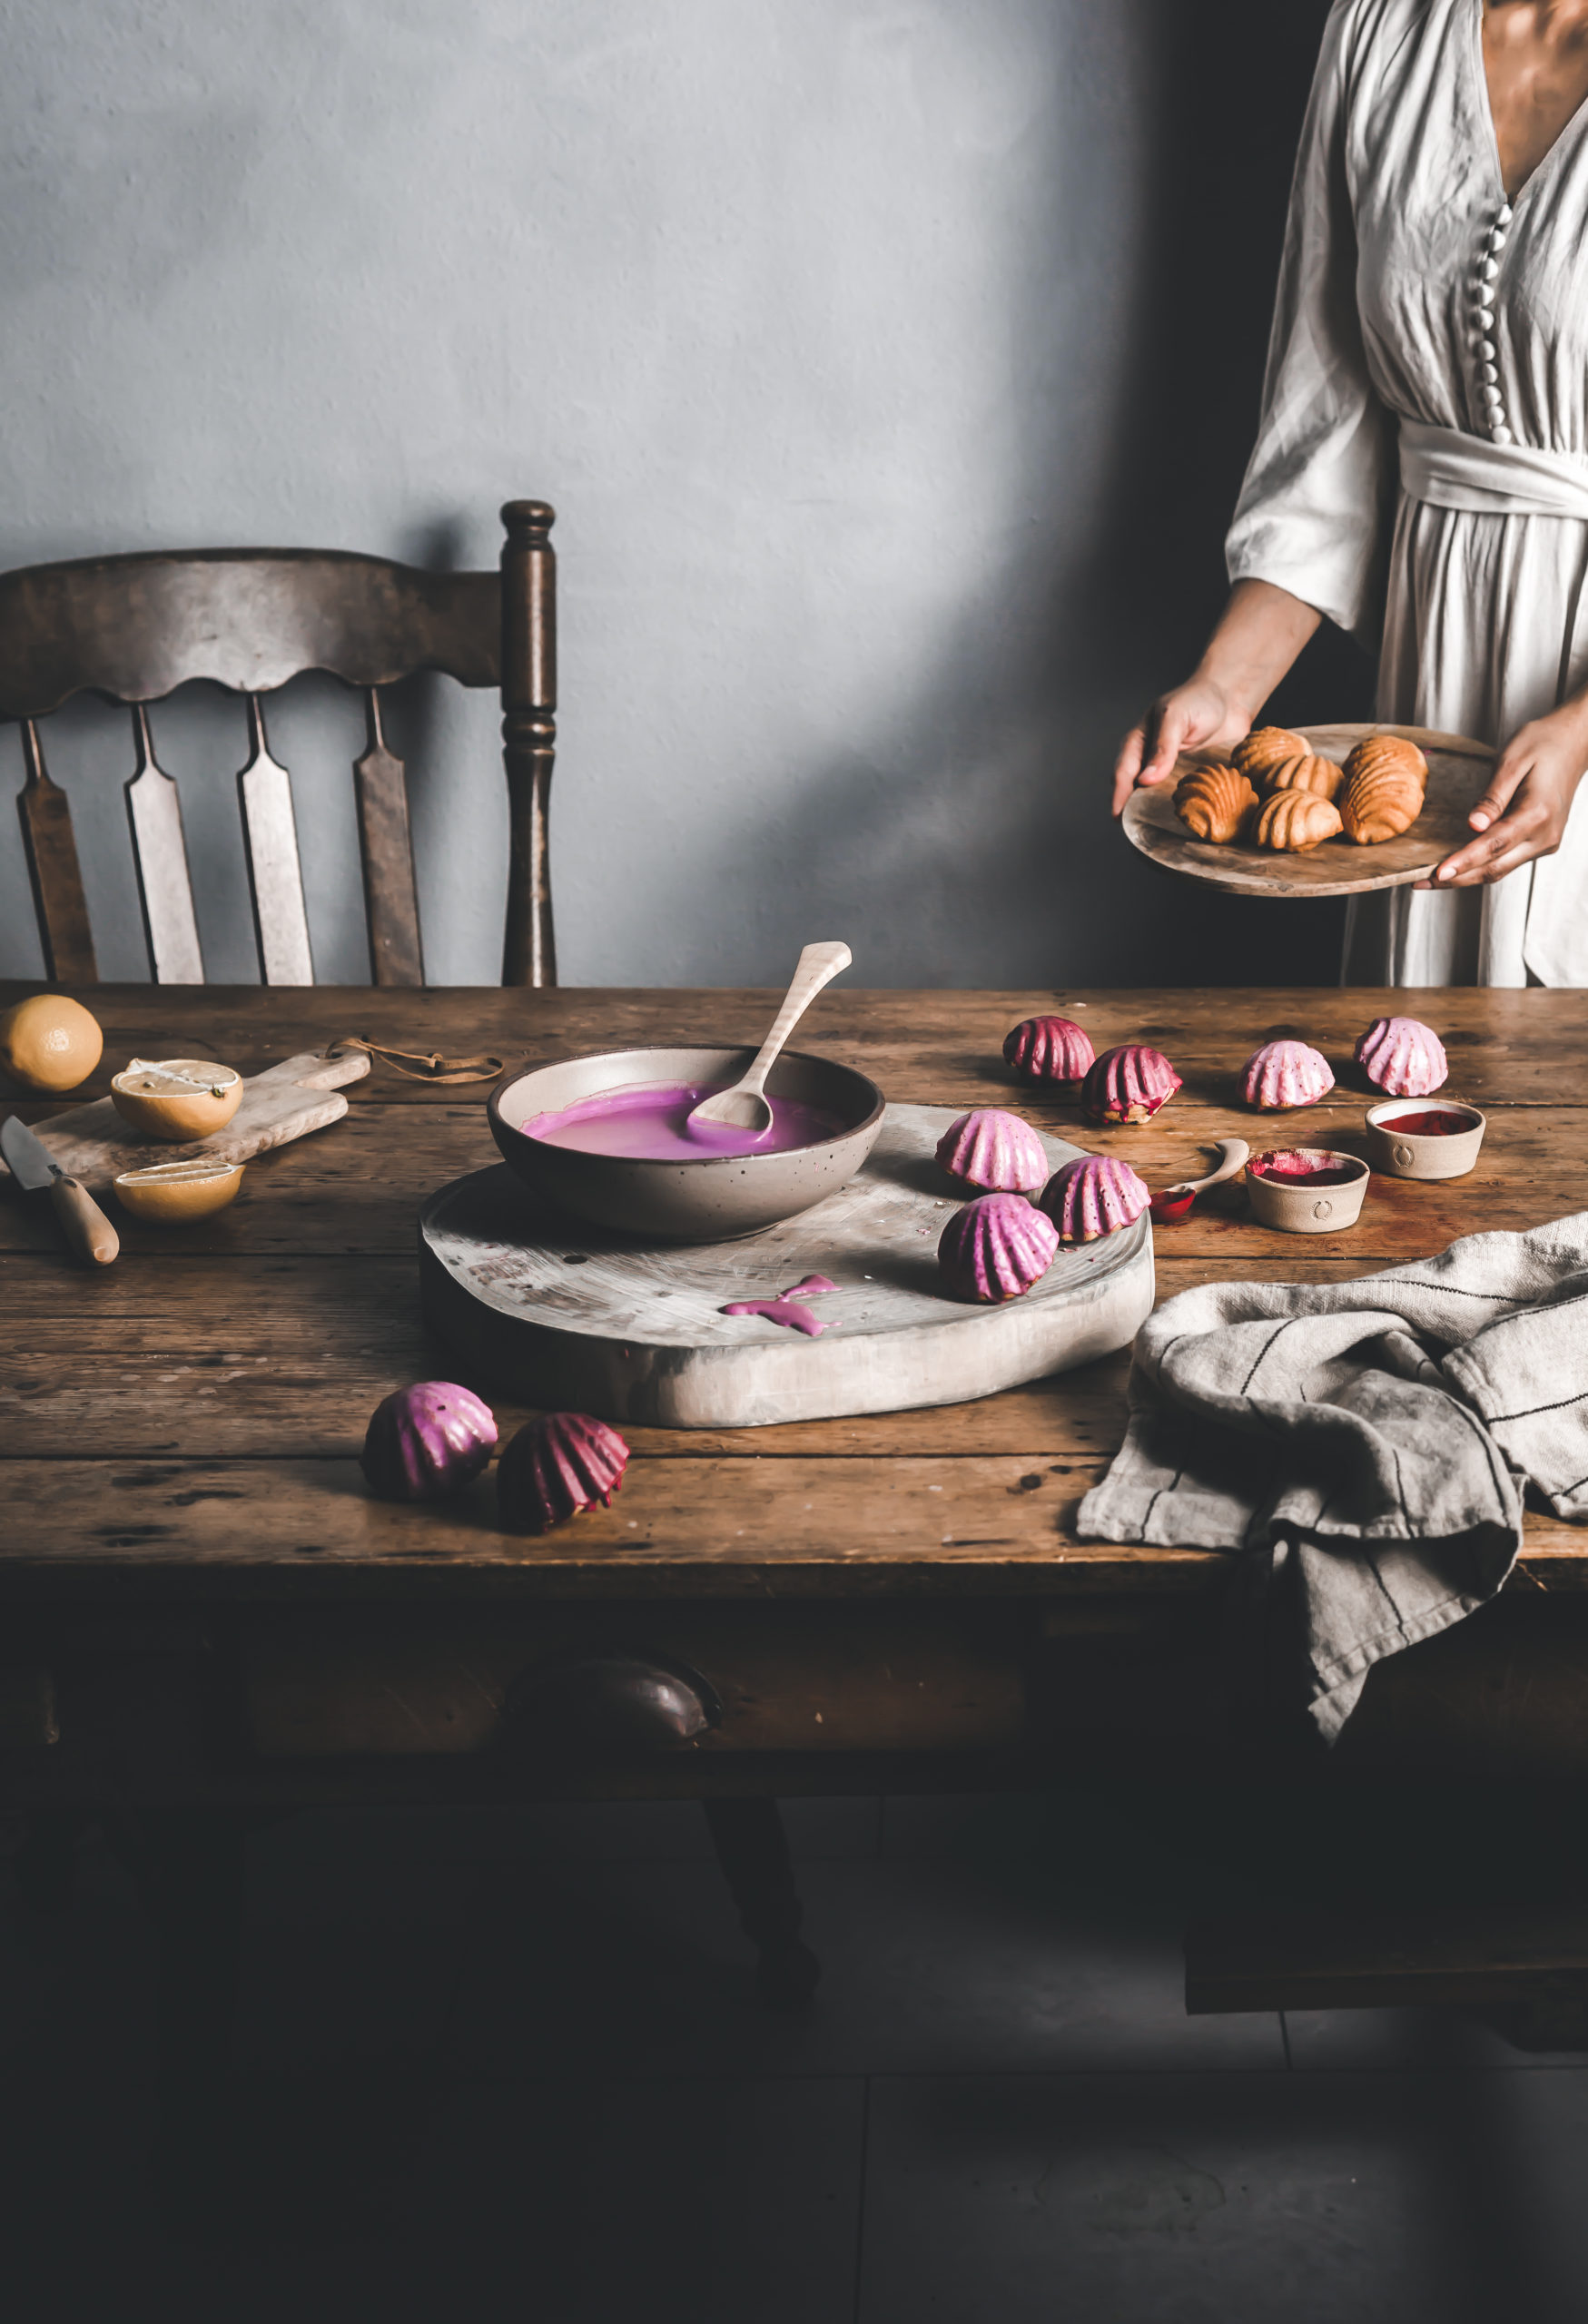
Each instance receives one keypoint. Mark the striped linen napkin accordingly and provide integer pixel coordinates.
(1370, 1440)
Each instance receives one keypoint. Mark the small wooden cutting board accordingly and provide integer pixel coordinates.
(93, 1142)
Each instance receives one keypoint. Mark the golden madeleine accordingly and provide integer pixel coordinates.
(1214, 802)
(1295, 819)
(1308, 772)
(1386, 781)
(1266, 748)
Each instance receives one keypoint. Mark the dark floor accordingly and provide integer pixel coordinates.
(511, 2063)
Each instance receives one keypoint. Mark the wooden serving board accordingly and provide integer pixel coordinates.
(1459, 772)
(304, 1093)
(564, 1315)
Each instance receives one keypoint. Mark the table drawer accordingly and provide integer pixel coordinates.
(764, 1679)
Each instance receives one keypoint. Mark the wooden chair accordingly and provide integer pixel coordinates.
(133, 629)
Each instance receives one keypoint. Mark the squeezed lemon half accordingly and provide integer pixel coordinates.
(170, 1193)
(178, 1099)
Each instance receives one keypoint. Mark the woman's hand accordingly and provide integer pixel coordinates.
(1260, 634)
(1523, 813)
(1195, 716)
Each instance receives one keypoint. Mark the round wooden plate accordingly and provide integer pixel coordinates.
(569, 1317)
(1459, 772)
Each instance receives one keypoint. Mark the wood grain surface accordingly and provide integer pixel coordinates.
(187, 1422)
(1458, 771)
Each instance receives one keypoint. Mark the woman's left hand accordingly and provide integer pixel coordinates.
(1523, 813)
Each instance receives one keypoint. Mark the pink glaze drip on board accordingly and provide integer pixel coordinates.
(652, 1125)
(788, 1307)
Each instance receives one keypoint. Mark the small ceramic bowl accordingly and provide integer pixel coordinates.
(713, 1200)
(180, 1097)
(1402, 1153)
(1301, 1205)
(170, 1193)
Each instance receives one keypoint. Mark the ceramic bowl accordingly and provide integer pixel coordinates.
(1298, 1206)
(712, 1200)
(175, 1112)
(1401, 1153)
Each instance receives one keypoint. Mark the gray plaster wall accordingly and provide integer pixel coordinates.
(860, 346)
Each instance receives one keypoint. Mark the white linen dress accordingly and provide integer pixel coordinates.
(1421, 469)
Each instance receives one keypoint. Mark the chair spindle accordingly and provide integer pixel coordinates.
(528, 735)
(386, 846)
(58, 902)
(160, 853)
(275, 877)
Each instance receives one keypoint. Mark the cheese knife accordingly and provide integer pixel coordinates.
(89, 1234)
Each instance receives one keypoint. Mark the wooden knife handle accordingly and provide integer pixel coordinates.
(88, 1232)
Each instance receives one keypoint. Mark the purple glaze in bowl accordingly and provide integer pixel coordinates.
(713, 1199)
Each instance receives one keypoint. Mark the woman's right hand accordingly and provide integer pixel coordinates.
(1200, 714)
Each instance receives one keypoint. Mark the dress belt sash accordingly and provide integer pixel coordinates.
(1451, 470)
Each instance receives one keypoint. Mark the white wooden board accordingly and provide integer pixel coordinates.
(559, 1314)
(93, 1142)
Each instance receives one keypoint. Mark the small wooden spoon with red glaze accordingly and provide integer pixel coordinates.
(1171, 1206)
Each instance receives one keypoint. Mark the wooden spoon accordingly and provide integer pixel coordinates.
(744, 1105)
(1173, 1202)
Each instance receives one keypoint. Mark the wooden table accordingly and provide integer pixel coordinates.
(204, 1611)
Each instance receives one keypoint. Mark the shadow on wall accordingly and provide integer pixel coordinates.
(1054, 652)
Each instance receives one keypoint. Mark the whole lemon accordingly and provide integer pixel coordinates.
(48, 1042)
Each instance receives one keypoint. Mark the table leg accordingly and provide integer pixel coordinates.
(752, 1849)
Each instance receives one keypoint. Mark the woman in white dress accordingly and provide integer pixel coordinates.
(1421, 469)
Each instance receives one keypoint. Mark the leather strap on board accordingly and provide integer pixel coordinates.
(416, 1066)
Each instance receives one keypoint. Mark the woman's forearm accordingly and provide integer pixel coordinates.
(1259, 636)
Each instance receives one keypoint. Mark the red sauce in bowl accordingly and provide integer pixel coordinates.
(1296, 1167)
(1436, 1123)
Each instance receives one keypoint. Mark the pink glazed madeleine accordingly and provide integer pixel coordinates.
(1286, 1073)
(994, 1150)
(1049, 1049)
(1129, 1085)
(1403, 1057)
(996, 1247)
(1094, 1195)
(557, 1467)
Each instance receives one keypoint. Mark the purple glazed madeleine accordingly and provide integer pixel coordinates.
(995, 1249)
(1049, 1049)
(427, 1440)
(1403, 1058)
(1129, 1085)
(994, 1150)
(557, 1467)
(1284, 1073)
(1094, 1195)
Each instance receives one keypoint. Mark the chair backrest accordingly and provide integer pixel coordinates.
(133, 629)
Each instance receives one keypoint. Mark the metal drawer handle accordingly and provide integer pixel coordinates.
(610, 1702)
